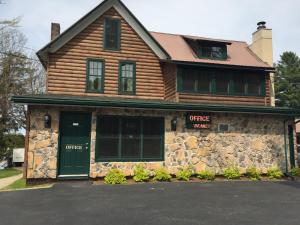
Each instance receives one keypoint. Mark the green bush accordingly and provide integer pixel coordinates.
(141, 174)
(206, 175)
(184, 174)
(162, 175)
(232, 173)
(274, 173)
(295, 172)
(253, 173)
(115, 176)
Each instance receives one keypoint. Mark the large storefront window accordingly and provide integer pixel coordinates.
(129, 139)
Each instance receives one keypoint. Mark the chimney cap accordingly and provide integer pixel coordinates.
(261, 25)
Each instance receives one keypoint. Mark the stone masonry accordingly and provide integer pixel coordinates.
(252, 140)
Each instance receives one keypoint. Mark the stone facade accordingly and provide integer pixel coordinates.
(252, 140)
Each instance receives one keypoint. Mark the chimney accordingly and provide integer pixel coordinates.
(263, 48)
(55, 30)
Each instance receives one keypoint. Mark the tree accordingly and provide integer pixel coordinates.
(287, 80)
(19, 74)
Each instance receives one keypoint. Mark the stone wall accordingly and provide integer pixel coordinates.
(43, 144)
(251, 141)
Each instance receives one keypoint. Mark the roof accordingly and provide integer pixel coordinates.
(165, 46)
(239, 52)
(94, 14)
(87, 101)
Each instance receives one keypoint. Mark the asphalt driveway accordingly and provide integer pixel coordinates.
(217, 203)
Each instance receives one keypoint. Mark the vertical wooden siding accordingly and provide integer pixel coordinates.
(67, 67)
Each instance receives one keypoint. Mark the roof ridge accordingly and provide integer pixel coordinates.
(186, 35)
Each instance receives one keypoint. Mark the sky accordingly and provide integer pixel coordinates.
(225, 19)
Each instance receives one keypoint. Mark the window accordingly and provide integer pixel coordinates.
(95, 75)
(212, 52)
(253, 85)
(221, 82)
(127, 78)
(112, 34)
(129, 139)
(223, 127)
(196, 81)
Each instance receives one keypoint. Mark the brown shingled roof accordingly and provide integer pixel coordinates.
(239, 53)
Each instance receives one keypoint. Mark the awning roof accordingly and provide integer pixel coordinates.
(63, 100)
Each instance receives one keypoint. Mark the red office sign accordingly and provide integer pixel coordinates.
(198, 120)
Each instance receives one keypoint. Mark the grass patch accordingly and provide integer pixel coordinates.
(21, 184)
(9, 173)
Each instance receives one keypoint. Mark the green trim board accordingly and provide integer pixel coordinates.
(129, 138)
(89, 101)
(95, 74)
(127, 77)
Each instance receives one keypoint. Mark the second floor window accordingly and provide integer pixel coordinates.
(127, 78)
(112, 34)
(220, 82)
(95, 75)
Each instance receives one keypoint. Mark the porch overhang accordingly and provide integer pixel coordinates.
(87, 101)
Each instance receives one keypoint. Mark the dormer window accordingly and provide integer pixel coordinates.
(208, 49)
(212, 51)
(112, 34)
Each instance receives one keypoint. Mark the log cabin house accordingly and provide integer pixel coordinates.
(118, 95)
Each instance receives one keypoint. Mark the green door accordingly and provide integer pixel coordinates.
(74, 157)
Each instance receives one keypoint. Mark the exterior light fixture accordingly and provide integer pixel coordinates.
(174, 124)
(47, 121)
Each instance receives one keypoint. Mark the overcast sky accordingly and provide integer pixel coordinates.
(226, 19)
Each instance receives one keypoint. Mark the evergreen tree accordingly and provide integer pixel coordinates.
(287, 80)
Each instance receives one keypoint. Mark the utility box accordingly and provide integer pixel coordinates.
(18, 155)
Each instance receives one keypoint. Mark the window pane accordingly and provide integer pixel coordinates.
(222, 83)
(153, 137)
(94, 83)
(127, 77)
(112, 32)
(204, 82)
(254, 88)
(107, 137)
(239, 85)
(131, 137)
(189, 82)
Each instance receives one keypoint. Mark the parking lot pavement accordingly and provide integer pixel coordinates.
(216, 203)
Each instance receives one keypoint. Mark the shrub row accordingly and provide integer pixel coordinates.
(115, 176)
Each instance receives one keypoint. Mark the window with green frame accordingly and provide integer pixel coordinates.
(112, 34)
(127, 73)
(95, 75)
(129, 139)
(225, 82)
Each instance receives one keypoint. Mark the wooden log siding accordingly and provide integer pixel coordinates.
(169, 71)
(67, 67)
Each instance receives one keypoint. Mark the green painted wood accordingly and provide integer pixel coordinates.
(74, 147)
(88, 101)
(292, 146)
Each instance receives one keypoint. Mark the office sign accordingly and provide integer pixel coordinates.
(198, 120)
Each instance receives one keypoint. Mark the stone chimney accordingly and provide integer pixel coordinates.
(262, 46)
(55, 30)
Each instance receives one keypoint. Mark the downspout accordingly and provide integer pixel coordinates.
(285, 148)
